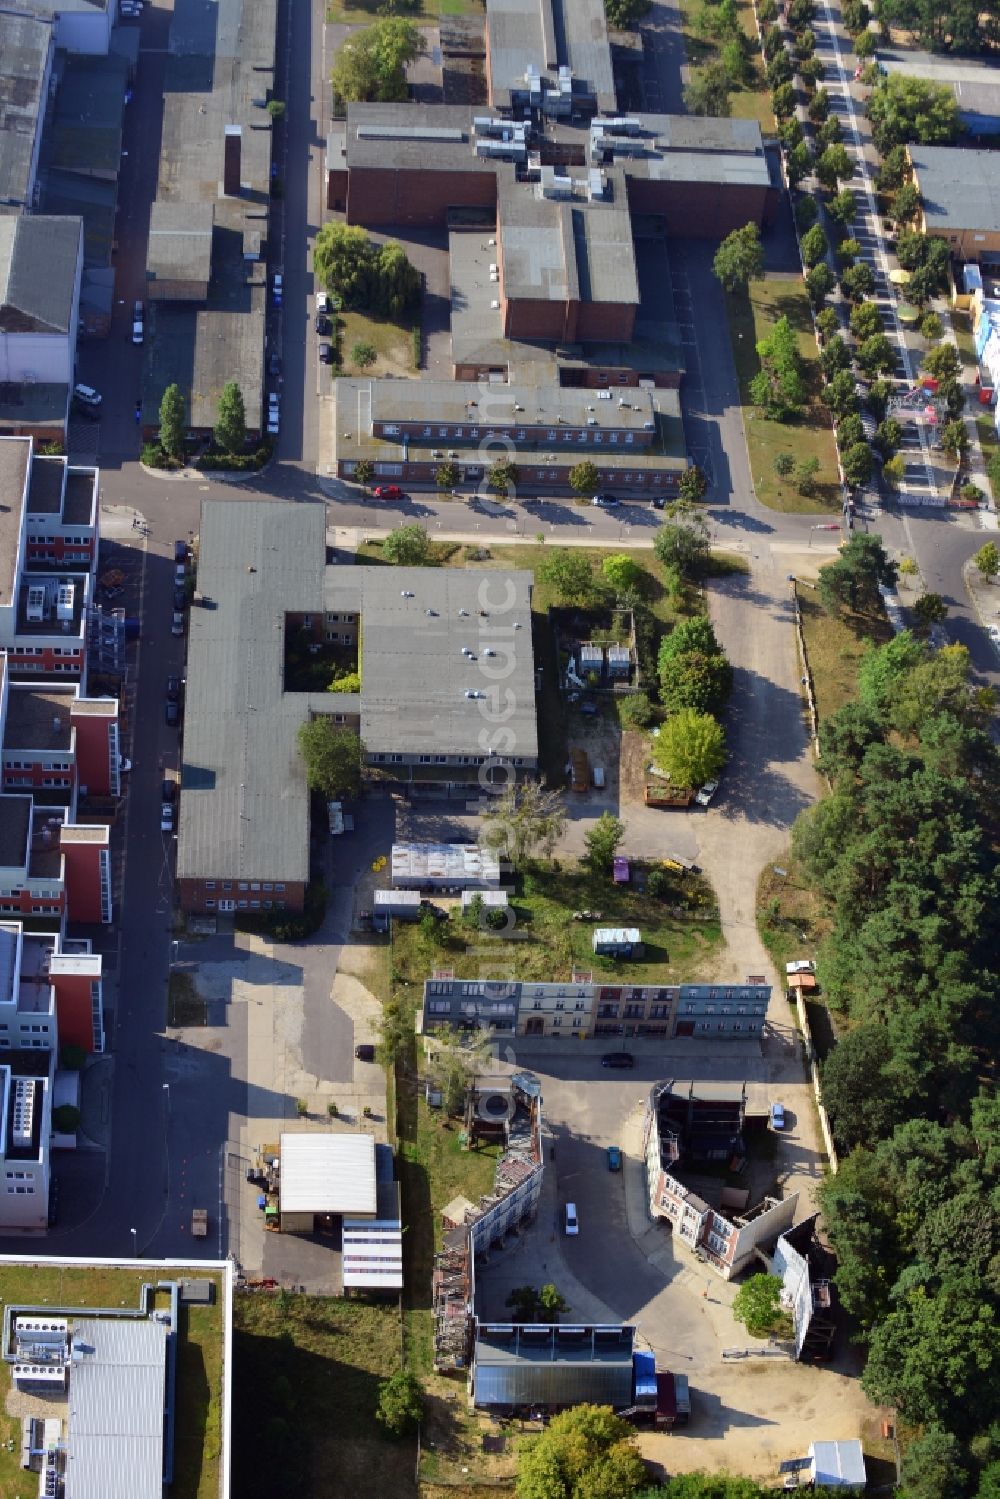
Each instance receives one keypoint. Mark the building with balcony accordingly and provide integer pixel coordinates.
(57, 744)
(584, 1006)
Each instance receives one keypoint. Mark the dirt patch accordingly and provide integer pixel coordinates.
(634, 759)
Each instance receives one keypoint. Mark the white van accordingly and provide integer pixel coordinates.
(572, 1221)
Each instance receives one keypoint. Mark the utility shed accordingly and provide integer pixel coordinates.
(522, 1365)
(403, 904)
(617, 941)
(323, 1175)
(837, 1465)
(444, 866)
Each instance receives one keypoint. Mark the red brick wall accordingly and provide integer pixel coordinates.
(377, 197)
(530, 318)
(705, 210)
(604, 322)
(336, 189)
(46, 663)
(196, 894)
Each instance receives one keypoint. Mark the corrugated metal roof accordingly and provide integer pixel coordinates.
(116, 1402)
(373, 1254)
(838, 1464)
(562, 1365)
(444, 862)
(244, 804)
(327, 1174)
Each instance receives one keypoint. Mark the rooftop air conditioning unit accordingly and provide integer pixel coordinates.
(495, 305)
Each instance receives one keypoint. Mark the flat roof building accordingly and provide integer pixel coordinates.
(26, 48)
(120, 1371)
(433, 642)
(553, 54)
(209, 224)
(325, 1174)
(561, 1365)
(960, 197)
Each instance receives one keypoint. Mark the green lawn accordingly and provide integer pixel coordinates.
(791, 918)
(198, 1440)
(835, 645)
(548, 944)
(433, 1168)
(363, 12)
(392, 342)
(306, 1376)
(752, 315)
(753, 103)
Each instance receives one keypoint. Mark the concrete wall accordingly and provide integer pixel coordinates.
(88, 32)
(45, 358)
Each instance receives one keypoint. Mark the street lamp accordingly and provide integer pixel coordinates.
(166, 1089)
(135, 1249)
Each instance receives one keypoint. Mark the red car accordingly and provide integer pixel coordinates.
(389, 492)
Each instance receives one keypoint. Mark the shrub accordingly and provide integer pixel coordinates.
(364, 355)
(827, 322)
(931, 326)
(658, 883)
(806, 212)
(239, 463)
(154, 456)
(288, 926)
(636, 711)
(65, 1119)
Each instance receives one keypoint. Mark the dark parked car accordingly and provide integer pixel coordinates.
(658, 502)
(181, 554)
(326, 353)
(172, 713)
(168, 791)
(180, 596)
(274, 364)
(173, 689)
(322, 324)
(618, 1059)
(365, 1053)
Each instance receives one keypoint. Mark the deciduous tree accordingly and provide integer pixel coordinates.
(173, 420)
(740, 258)
(569, 573)
(602, 841)
(524, 819)
(333, 757)
(691, 748)
(707, 91)
(371, 64)
(407, 546)
(231, 427)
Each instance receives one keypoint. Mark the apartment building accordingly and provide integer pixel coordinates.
(50, 867)
(26, 1083)
(48, 552)
(51, 991)
(584, 1006)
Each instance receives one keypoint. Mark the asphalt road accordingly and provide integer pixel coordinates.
(155, 1138)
